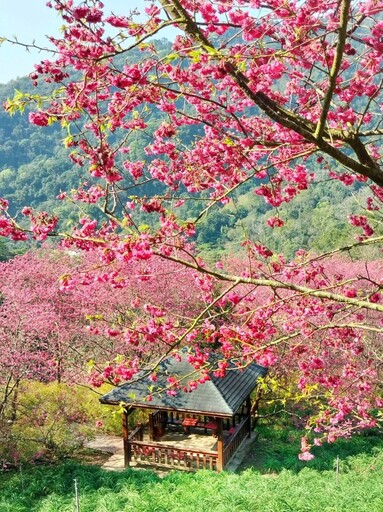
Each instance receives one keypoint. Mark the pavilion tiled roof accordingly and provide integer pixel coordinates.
(218, 396)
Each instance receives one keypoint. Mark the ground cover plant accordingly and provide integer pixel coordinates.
(275, 485)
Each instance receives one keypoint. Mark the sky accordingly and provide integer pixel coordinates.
(31, 20)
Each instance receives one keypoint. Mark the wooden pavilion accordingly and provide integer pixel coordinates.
(201, 429)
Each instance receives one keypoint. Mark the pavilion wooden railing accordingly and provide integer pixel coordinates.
(135, 435)
(170, 456)
(241, 432)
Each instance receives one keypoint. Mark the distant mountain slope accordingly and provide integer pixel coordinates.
(34, 168)
(34, 165)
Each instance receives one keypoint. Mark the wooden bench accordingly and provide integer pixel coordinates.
(189, 422)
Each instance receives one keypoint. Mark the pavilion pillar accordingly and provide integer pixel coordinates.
(151, 428)
(248, 410)
(219, 433)
(125, 435)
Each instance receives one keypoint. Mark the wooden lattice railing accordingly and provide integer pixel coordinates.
(164, 455)
(138, 433)
(241, 432)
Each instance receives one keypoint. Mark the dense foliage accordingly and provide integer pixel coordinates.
(53, 335)
(34, 169)
(269, 98)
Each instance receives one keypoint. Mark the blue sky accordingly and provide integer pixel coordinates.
(31, 20)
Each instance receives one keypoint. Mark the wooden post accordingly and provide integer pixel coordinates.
(220, 461)
(125, 434)
(151, 427)
(248, 407)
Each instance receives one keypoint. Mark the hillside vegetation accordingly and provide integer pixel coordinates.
(35, 167)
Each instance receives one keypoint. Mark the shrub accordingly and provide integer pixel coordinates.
(53, 420)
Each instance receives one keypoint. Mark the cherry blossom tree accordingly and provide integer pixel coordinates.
(40, 326)
(48, 332)
(248, 93)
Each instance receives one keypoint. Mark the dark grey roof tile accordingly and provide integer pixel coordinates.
(222, 396)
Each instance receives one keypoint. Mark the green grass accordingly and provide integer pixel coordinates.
(278, 446)
(279, 484)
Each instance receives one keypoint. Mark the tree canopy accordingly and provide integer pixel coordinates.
(270, 97)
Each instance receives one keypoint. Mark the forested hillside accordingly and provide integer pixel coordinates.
(35, 168)
(34, 164)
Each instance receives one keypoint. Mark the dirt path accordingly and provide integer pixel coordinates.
(112, 445)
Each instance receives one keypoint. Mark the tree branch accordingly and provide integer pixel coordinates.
(335, 67)
(304, 127)
(274, 284)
